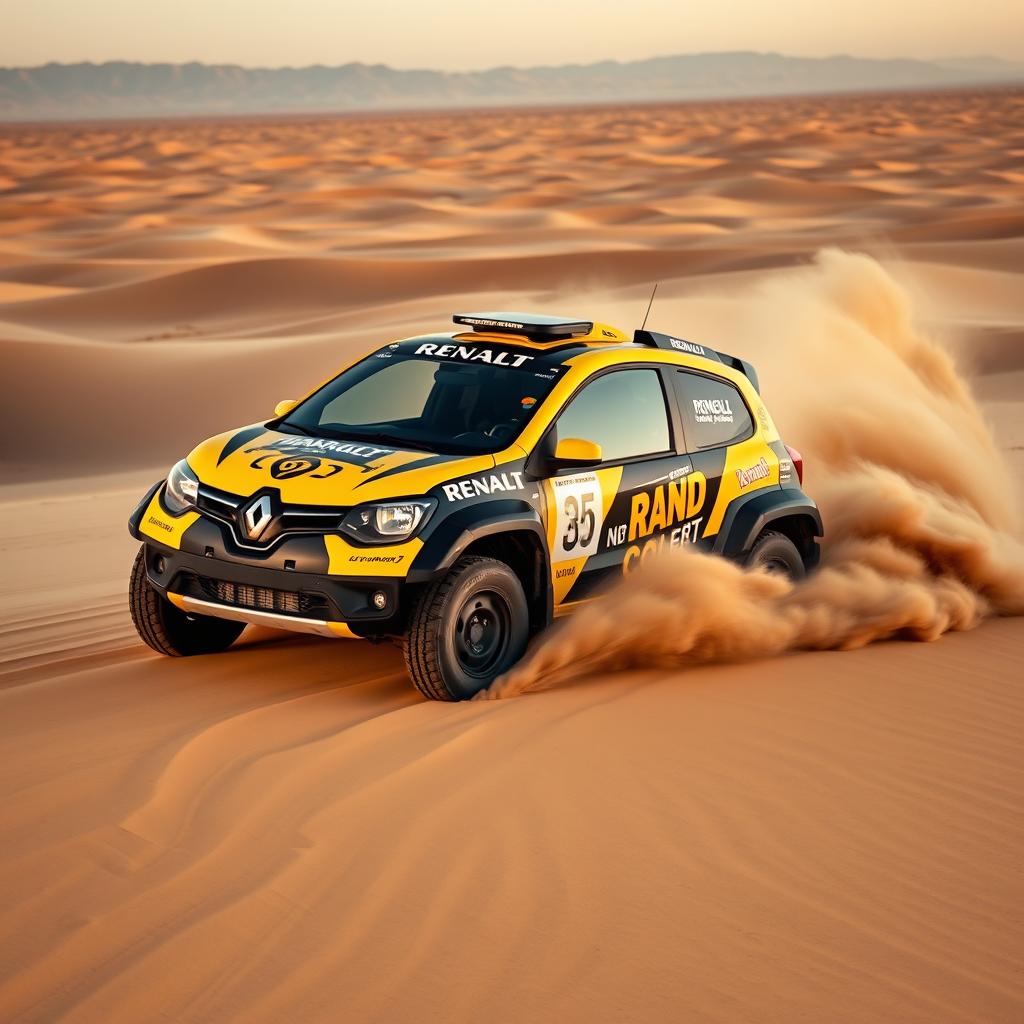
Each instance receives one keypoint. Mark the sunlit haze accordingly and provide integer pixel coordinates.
(465, 34)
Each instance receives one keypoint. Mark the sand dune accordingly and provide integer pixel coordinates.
(286, 832)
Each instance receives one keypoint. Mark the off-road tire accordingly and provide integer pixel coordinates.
(438, 620)
(777, 553)
(167, 629)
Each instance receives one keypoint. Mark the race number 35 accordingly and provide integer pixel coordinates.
(579, 515)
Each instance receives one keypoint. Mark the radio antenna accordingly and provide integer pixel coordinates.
(654, 292)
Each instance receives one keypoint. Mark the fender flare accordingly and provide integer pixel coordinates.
(453, 534)
(744, 522)
(136, 517)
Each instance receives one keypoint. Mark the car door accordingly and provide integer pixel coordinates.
(722, 444)
(598, 517)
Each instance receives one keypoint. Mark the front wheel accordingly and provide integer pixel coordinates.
(776, 553)
(169, 630)
(466, 629)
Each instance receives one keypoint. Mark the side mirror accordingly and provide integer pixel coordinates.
(283, 408)
(576, 452)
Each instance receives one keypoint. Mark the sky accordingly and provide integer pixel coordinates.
(473, 34)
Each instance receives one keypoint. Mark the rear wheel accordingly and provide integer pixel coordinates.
(466, 629)
(169, 630)
(776, 553)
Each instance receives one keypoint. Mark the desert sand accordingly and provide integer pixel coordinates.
(667, 831)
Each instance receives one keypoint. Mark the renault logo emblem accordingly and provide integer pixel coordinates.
(257, 516)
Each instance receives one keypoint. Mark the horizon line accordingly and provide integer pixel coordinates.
(500, 67)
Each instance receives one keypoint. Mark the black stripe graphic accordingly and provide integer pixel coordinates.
(236, 442)
(430, 460)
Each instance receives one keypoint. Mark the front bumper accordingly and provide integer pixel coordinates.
(194, 561)
(300, 601)
(258, 617)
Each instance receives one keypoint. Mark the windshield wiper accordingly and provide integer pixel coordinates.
(398, 442)
(299, 428)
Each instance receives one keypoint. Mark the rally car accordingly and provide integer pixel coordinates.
(460, 490)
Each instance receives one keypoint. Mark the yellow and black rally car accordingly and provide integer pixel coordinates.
(460, 490)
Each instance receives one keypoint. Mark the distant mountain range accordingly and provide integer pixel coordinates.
(121, 89)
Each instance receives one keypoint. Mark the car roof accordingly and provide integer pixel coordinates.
(546, 330)
(607, 344)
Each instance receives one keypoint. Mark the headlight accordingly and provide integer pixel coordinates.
(387, 522)
(182, 489)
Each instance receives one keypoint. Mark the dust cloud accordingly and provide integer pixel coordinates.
(920, 512)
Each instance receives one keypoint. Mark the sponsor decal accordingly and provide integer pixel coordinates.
(759, 471)
(607, 334)
(666, 505)
(495, 483)
(674, 474)
(153, 521)
(302, 455)
(687, 346)
(712, 410)
(762, 417)
(473, 354)
(385, 355)
(566, 572)
(785, 471)
(323, 444)
(616, 536)
(528, 402)
(387, 559)
(671, 514)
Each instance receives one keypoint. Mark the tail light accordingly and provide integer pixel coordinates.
(798, 463)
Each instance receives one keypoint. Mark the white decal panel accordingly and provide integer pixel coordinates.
(579, 516)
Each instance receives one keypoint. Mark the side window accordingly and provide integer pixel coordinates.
(624, 412)
(714, 413)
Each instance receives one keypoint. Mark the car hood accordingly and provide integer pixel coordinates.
(318, 471)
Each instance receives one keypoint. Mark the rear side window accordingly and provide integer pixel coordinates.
(714, 413)
(624, 412)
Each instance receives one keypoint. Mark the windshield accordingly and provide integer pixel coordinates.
(451, 399)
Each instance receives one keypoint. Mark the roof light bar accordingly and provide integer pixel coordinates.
(533, 325)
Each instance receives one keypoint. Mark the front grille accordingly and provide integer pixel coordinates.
(269, 599)
(217, 503)
(287, 519)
